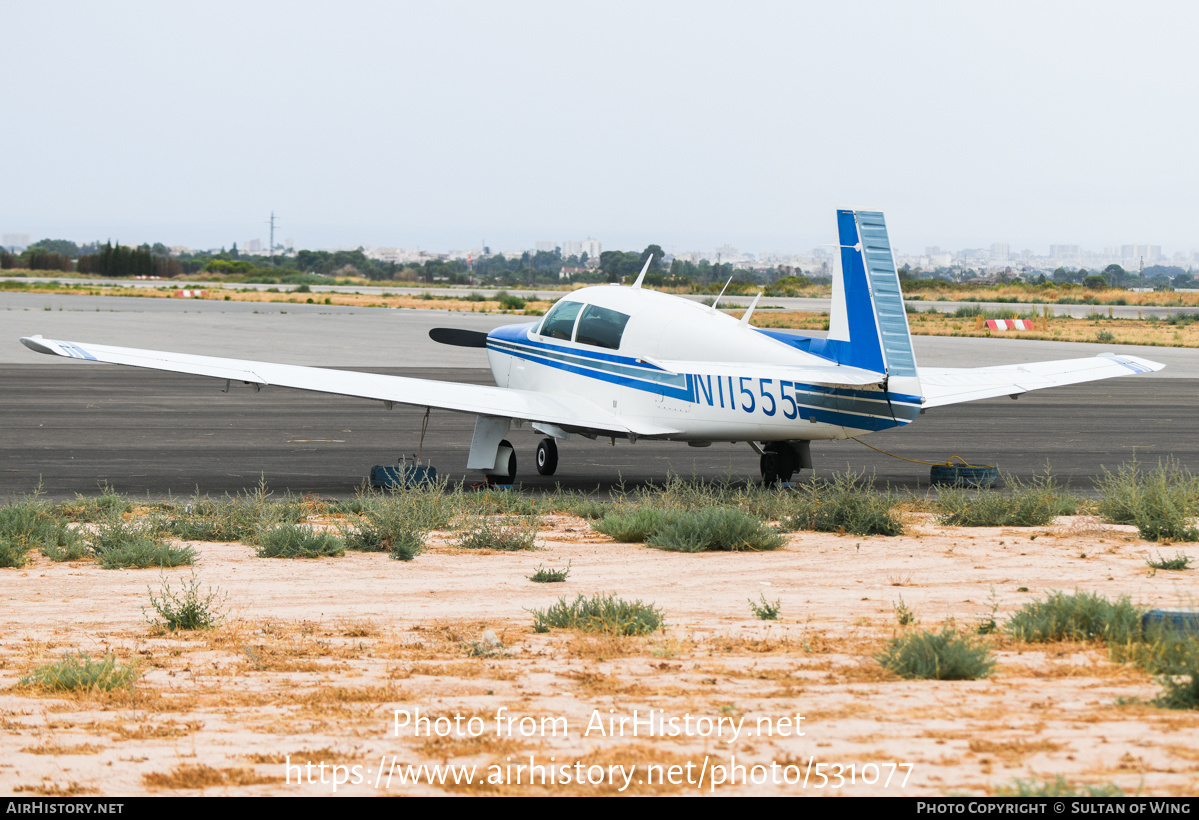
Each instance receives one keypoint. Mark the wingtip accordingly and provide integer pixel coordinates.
(1134, 363)
(35, 343)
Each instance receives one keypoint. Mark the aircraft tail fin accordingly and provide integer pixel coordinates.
(868, 325)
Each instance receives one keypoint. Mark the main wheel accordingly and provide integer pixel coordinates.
(547, 456)
(778, 463)
(509, 476)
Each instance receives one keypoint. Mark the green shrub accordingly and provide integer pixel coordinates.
(76, 549)
(30, 523)
(1022, 505)
(398, 522)
(1161, 503)
(1179, 691)
(600, 613)
(944, 655)
(91, 509)
(1179, 561)
(490, 533)
(187, 610)
(904, 616)
(721, 530)
(298, 541)
(632, 526)
(144, 553)
(12, 553)
(1082, 616)
(548, 575)
(849, 503)
(509, 302)
(79, 672)
(766, 610)
(234, 518)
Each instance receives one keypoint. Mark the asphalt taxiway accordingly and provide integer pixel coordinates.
(74, 426)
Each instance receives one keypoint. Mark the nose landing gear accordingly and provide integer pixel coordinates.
(547, 456)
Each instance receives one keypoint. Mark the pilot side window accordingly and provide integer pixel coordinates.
(559, 323)
(601, 327)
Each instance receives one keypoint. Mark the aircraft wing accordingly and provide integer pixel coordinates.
(953, 385)
(567, 411)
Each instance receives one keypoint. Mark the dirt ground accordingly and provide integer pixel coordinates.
(346, 674)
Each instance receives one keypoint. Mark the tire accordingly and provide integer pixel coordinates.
(509, 476)
(771, 466)
(547, 456)
(778, 463)
(959, 476)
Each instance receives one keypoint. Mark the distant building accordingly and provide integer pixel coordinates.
(16, 241)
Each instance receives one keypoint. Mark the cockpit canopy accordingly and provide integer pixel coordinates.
(585, 324)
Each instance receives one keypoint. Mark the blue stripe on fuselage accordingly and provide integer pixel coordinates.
(853, 408)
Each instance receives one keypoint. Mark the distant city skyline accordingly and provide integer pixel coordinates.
(688, 124)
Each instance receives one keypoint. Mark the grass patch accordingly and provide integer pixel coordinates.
(507, 534)
(944, 655)
(74, 550)
(847, 504)
(632, 526)
(1082, 616)
(1179, 691)
(399, 521)
(90, 510)
(122, 544)
(187, 610)
(298, 541)
(766, 610)
(1031, 504)
(549, 575)
(1162, 503)
(600, 613)
(1179, 561)
(80, 672)
(30, 523)
(720, 529)
(1160, 650)
(715, 530)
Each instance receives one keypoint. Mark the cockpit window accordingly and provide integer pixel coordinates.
(559, 323)
(601, 327)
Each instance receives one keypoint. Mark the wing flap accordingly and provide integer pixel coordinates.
(942, 386)
(566, 411)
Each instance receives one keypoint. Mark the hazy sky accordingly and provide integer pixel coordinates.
(442, 124)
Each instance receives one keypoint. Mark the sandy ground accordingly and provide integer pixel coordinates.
(355, 669)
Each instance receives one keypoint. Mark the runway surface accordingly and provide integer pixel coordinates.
(74, 426)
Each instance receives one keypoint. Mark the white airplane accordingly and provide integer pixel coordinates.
(627, 362)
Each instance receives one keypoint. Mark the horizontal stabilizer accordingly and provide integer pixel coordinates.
(953, 385)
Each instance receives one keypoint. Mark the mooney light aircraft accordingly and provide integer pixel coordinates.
(632, 363)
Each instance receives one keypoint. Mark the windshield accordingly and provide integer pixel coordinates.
(559, 323)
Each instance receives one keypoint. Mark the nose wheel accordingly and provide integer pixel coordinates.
(547, 456)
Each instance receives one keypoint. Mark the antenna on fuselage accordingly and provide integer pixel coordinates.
(750, 312)
(722, 290)
(644, 268)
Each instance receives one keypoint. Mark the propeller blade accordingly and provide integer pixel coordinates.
(458, 337)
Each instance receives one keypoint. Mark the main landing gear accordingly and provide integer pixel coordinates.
(547, 461)
(782, 459)
(505, 459)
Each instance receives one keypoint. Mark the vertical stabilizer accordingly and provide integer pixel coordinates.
(868, 325)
